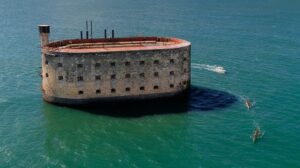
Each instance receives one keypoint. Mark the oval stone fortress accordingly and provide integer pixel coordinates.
(81, 71)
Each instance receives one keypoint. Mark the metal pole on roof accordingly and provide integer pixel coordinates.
(91, 29)
(87, 29)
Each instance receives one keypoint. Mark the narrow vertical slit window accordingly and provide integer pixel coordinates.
(172, 73)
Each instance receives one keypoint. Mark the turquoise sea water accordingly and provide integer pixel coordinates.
(257, 42)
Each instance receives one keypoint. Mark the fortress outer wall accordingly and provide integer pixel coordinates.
(88, 76)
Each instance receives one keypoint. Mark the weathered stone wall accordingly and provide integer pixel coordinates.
(115, 74)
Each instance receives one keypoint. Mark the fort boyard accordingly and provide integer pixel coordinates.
(91, 70)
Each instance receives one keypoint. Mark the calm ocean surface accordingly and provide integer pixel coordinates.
(257, 42)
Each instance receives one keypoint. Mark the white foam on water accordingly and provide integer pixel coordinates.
(212, 68)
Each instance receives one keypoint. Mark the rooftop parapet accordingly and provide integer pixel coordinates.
(116, 44)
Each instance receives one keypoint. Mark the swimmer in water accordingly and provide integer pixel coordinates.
(248, 104)
(256, 134)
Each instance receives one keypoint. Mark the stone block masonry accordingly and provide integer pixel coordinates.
(79, 72)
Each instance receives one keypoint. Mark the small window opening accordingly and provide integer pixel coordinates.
(156, 74)
(112, 64)
(47, 75)
(113, 90)
(172, 61)
(156, 62)
(46, 62)
(127, 89)
(127, 76)
(79, 65)
(59, 65)
(79, 78)
(113, 76)
(142, 62)
(97, 65)
(155, 87)
(184, 82)
(97, 77)
(142, 75)
(184, 59)
(60, 77)
(98, 91)
(142, 88)
(172, 73)
(185, 70)
(80, 92)
(127, 63)
(171, 86)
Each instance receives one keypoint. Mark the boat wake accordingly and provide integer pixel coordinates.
(213, 68)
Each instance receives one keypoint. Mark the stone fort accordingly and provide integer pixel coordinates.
(80, 71)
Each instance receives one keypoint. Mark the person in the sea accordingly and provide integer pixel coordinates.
(248, 104)
(256, 134)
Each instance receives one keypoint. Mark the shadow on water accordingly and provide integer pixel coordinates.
(205, 99)
(198, 99)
